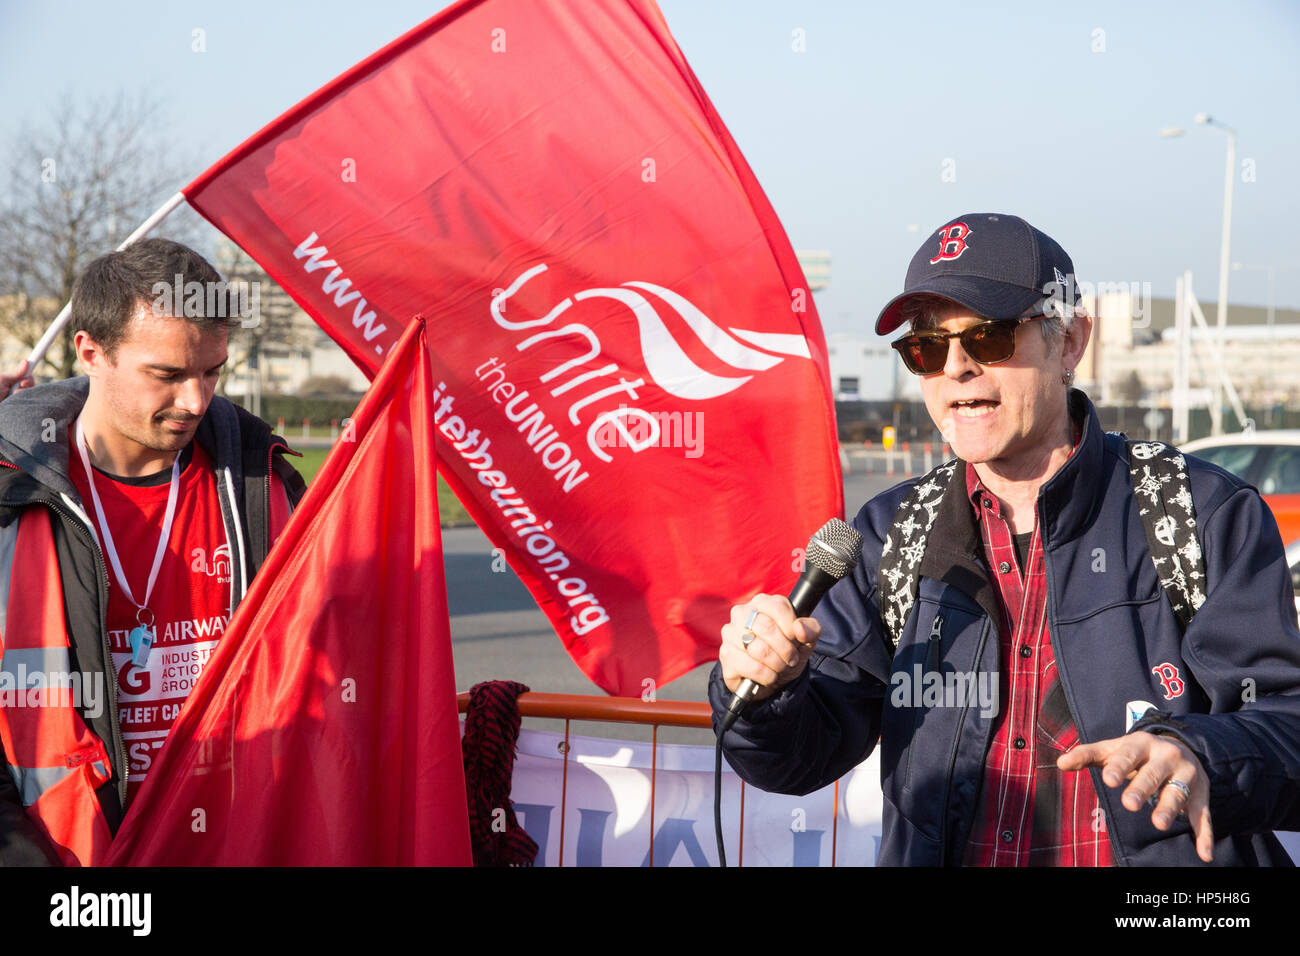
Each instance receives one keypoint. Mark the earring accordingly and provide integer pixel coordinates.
(1068, 377)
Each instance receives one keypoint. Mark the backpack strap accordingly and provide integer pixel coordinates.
(1164, 494)
(900, 559)
(1158, 473)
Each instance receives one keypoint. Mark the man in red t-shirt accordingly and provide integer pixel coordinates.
(156, 501)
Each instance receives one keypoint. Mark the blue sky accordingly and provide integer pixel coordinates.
(1043, 109)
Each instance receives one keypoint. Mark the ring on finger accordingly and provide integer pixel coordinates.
(1184, 789)
(748, 637)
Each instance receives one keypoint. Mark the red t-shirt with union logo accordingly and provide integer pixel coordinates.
(190, 599)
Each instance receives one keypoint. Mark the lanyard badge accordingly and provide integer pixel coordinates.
(142, 635)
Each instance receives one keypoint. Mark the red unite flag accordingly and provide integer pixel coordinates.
(631, 382)
(324, 728)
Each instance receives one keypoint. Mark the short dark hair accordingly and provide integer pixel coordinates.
(104, 296)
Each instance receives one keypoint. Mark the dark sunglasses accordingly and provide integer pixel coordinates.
(988, 343)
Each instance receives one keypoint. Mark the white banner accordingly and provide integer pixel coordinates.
(607, 815)
(607, 809)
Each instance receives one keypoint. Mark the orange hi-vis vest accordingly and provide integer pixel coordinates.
(55, 760)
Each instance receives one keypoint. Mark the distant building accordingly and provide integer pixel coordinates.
(865, 369)
(18, 313)
(1134, 345)
(816, 265)
(288, 346)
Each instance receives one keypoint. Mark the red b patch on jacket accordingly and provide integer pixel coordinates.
(1169, 678)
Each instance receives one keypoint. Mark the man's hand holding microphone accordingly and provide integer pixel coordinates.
(768, 641)
(772, 650)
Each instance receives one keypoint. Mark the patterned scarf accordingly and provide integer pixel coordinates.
(491, 731)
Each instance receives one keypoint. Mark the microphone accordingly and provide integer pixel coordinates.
(831, 554)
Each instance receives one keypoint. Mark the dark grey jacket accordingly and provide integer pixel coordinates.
(34, 454)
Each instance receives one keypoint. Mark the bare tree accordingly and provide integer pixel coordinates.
(77, 184)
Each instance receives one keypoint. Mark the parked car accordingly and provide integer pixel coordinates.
(1270, 461)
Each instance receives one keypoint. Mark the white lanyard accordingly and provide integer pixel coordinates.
(109, 548)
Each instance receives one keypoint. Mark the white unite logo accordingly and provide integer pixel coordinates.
(666, 361)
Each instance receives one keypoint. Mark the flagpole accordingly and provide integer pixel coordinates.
(65, 313)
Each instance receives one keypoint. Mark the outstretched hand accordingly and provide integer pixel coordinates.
(1151, 762)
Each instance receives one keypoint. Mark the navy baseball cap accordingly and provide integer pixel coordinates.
(996, 265)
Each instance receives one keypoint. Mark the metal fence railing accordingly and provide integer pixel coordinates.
(631, 710)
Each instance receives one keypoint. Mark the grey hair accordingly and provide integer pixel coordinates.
(924, 313)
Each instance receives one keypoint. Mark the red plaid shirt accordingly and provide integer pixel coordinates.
(1029, 813)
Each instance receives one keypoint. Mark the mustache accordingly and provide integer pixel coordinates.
(183, 419)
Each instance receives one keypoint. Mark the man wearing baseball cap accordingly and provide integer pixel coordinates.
(1073, 650)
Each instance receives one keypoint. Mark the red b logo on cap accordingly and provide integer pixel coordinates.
(952, 241)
